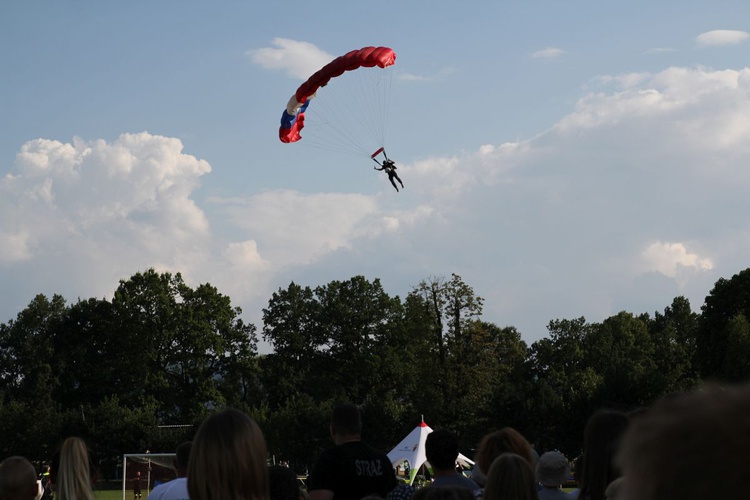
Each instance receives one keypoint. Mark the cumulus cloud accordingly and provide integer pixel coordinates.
(722, 37)
(298, 59)
(699, 109)
(666, 258)
(295, 229)
(98, 207)
(548, 54)
(577, 208)
(634, 194)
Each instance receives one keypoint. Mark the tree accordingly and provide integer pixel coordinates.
(722, 313)
(187, 349)
(494, 379)
(737, 358)
(343, 341)
(674, 335)
(560, 400)
(290, 325)
(448, 310)
(357, 319)
(30, 420)
(621, 351)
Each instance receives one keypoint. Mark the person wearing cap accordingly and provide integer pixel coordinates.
(552, 471)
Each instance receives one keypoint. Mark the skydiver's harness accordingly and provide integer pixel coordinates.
(387, 165)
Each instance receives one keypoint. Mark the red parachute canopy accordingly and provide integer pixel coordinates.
(293, 119)
(366, 57)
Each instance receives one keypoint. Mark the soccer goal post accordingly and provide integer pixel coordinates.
(142, 471)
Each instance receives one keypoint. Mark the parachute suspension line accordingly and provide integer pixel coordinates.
(375, 100)
(349, 115)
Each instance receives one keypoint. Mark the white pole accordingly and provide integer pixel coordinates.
(124, 475)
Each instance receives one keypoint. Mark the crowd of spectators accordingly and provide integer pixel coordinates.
(686, 446)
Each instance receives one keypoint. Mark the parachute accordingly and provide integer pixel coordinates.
(369, 92)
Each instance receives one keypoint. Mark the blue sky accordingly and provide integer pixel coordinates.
(565, 158)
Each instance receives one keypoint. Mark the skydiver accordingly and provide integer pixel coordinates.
(390, 168)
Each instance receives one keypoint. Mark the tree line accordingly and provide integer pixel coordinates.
(141, 371)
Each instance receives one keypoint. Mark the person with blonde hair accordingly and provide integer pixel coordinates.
(510, 478)
(17, 479)
(228, 459)
(72, 472)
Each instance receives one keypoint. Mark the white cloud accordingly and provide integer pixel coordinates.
(688, 108)
(14, 247)
(636, 194)
(99, 211)
(295, 229)
(667, 258)
(568, 218)
(722, 37)
(245, 256)
(660, 50)
(549, 53)
(298, 59)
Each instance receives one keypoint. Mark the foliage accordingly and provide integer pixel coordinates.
(722, 333)
(161, 352)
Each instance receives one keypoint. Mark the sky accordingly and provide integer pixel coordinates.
(566, 159)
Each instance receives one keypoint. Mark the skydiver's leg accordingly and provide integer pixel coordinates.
(399, 180)
(390, 177)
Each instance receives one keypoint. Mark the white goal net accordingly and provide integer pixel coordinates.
(142, 472)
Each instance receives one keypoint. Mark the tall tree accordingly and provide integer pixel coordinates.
(674, 334)
(721, 318)
(620, 349)
(451, 307)
(559, 402)
(290, 326)
(187, 349)
(30, 421)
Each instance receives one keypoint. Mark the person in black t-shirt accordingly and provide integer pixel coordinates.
(351, 469)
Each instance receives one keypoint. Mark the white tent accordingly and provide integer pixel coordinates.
(411, 450)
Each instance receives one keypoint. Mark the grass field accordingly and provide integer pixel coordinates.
(115, 495)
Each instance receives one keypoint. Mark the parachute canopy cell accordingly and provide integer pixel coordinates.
(293, 118)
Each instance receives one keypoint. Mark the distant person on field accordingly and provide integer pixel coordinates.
(176, 489)
(18, 479)
(351, 469)
(441, 450)
(228, 459)
(689, 447)
(137, 486)
(46, 484)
